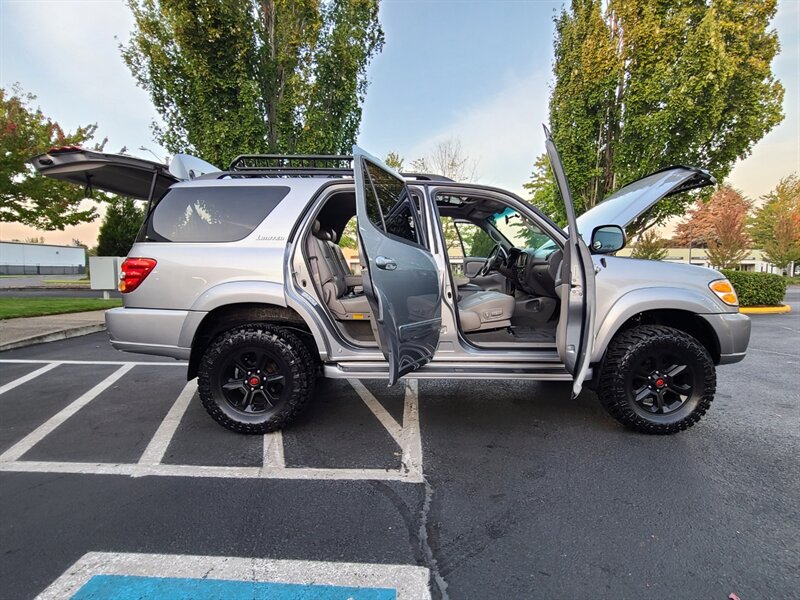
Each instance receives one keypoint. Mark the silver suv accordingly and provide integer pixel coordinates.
(240, 272)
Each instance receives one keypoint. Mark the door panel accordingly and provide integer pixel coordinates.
(401, 280)
(575, 287)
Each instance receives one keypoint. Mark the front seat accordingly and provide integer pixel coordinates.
(485, 310)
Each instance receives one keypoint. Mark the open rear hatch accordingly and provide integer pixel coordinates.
(115, 173)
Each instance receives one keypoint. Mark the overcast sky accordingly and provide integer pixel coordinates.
(479, 71)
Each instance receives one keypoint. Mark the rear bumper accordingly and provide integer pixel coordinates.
(733, 334)
(147, 331)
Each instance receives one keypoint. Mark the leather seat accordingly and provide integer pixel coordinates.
(334, 284)
(485, 310)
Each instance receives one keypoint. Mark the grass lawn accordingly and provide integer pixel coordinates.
(68, 281)
(35, 307)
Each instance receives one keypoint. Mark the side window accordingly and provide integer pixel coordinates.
(388, 204)
(476, 241)
(210, 214)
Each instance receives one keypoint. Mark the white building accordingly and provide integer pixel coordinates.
(17, 258)
(754, 261)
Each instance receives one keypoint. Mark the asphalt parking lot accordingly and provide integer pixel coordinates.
(495, 489)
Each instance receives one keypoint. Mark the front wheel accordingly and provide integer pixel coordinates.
(657, 379)
(255, 378)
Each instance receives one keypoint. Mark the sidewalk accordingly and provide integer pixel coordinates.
(26, 331)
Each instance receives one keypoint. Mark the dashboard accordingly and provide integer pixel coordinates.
(531, 269)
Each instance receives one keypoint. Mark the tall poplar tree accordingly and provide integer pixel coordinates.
(254, 76)
(645, 84)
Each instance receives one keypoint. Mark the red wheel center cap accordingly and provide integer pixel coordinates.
(254, 381)
(660, 382)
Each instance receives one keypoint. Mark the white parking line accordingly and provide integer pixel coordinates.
(154, 453)
(165, 470)
(26, 378)
(411, 436)
(393, 427)
(408, 582)
(38, 434)
(406, 435)
(273, 451)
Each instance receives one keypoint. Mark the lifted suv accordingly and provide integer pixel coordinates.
(240, 272)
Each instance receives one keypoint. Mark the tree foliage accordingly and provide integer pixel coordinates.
(775, 227)
(394, 160)
(254, 76)
(25, 196)
(640, 85)
(650, 246)
(120, 225)
(703, 221)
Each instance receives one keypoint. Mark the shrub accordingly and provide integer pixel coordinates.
(757, 289)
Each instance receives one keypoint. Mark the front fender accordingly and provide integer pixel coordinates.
(647, 299)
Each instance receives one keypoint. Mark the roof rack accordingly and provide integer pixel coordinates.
(303, 165)
(291, 162)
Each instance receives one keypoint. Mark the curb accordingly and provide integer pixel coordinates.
(765, 310)
(54, 336)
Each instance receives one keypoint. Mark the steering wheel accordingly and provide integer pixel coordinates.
(496, 257)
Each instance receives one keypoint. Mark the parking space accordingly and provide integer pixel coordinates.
(139, 418)
(111, 473)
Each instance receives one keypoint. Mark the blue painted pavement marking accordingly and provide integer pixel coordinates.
(129, 587)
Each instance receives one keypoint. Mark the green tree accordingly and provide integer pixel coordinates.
(650, 246)
(641, 85)
(25, 196)
(395, 161)
(120, 225)
(254, 76)
(775, 227)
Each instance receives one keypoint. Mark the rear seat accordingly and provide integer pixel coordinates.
(334, 283)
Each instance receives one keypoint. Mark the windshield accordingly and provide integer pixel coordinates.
(517, 229)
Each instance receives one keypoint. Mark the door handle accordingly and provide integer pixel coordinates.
(387, 264)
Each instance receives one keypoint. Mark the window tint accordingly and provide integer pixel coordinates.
(211, 214)
(388, 204)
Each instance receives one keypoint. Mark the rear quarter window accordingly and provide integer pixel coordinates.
(210, 214)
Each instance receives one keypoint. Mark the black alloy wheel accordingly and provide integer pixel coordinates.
(256, 378)
(657, 379)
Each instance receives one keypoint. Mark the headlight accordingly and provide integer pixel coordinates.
(724, 291)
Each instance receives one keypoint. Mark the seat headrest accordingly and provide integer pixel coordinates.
(315, 227)
(334, 237)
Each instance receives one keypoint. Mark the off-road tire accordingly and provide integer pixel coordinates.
(625, 352)
(289, 351)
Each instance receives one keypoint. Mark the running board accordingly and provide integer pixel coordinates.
(380, 370)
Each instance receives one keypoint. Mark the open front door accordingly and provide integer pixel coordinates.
(575, 287)
(400, 277)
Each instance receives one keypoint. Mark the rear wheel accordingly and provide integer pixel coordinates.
(657, 379)
(256, 378)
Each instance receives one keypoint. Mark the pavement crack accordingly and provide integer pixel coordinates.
(427, 551)
(417, 536)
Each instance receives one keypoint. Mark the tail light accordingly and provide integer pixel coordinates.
(724, 291)
(133, 272)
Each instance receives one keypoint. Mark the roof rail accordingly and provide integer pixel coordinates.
(303, 165)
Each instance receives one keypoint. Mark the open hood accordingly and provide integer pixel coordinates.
(634, 199)
(116, 173)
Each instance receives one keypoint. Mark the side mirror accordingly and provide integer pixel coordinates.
(607, 239)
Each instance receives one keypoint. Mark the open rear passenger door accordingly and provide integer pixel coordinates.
(575, 287)
(401, 280)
